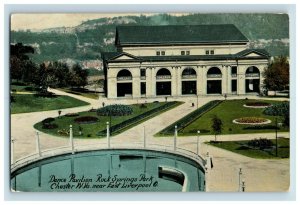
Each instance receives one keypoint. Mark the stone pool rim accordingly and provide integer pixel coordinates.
(17, 167)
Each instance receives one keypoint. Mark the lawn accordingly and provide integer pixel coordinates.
(31, 103)
(82, 92)
(227, 111)
(92, 130)
(241, 147)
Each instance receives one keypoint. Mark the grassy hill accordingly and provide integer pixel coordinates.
(87, 40)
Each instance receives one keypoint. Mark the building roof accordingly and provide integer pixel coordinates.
(252, 50)
(113, 56)
(178, 34)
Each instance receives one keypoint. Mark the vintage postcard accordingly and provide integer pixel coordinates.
(153, 102)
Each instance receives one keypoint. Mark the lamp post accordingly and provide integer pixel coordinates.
(12, 151)
(276, 137)
(175, 137)
(107, 135)
(240, 179)
(144, 137)
(198, 141)
(38, 146)
(71, 139)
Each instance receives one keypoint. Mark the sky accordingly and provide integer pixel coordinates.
(35, 21)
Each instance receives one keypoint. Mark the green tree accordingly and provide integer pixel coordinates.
(62, 74)
(217, 126)
(45, 77)
(79, 77)
(20, 63)
(277, 74)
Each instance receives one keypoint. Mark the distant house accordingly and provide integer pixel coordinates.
(182, 60)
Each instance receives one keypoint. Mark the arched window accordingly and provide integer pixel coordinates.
(163, 73)
(252, 71)
(189, 73)
(124, 75)
(214, 72)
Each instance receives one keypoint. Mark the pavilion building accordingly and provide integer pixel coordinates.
(184, 60)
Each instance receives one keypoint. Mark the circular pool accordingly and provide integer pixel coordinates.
(117, 170)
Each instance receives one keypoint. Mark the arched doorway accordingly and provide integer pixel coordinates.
(163, 82)
(252, 79)
(124, 83)
(189, 81)
(214, 81)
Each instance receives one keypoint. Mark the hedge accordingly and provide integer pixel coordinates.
(188, 119)
(117, 127)
(115, 110)
(280, 109)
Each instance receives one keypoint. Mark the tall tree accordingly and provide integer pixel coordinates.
(217, 126)
(80, 76)
(19, 61)
(62, 73)
(277, 74)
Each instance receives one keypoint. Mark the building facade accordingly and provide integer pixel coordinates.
(197, 60)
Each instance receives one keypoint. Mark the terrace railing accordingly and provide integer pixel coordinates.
(214, 75)
(252, 74)
(163, 77)
(124, 78)
(189, 76)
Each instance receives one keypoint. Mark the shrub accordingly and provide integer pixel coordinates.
(258, 104)
(86, 120)
(280, 109)
(93, 110)
(48, 120)
(45, 94)
(29, 88)
(261, 143)
(143, 106)
(260, 127)
(50, 126)
(12, 98)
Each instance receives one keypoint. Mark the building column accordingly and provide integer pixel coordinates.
(179, 81)
(224, 79)
(136, 83)
(174, 83)
(149, 82)
(111, 87)
(261, 78)
(241, 80)
(136, 87)
(199, 87)
(153, 81)
(204, 80)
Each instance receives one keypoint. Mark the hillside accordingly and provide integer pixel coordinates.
(86, 41)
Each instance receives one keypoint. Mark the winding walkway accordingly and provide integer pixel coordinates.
(259, 175)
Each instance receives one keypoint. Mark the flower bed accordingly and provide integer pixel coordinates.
(252, 120)
(86, 120)
(257, 105)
